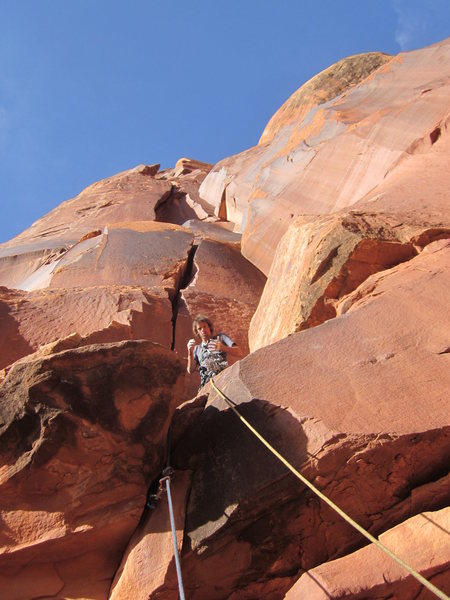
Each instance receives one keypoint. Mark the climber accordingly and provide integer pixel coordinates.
(210, 356)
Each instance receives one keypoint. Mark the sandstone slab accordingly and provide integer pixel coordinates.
(422, 542)
(98, 314)
(128, 196)
(334, 255)
(144, 253)
(79, 225)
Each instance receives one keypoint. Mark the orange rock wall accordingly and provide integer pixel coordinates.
(344, 207)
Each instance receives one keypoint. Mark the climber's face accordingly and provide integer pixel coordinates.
(204, 331)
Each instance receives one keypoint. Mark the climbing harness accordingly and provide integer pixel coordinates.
(167, 473)
(437, 592)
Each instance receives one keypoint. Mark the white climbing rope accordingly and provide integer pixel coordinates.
(167, 474)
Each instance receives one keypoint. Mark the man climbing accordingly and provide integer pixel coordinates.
(210, 356)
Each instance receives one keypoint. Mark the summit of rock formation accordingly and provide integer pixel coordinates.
(324, 86)
(324, 252)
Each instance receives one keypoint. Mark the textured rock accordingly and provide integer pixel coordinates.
(83, 432)
(186, 166)
(128, 196)
(350, 381)
(97, 314)
(142, 194)
(144, 253)
(184, 202)
(336, 154)
(224, 286)
(335, 255)
(221, 231)
(325, 86)
(148, 254)
(422, 542)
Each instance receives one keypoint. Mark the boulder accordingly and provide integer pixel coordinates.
(83, 432)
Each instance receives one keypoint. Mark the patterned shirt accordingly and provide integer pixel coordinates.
(210, 363)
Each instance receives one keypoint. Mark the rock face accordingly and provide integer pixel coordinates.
(327, 85)
(98, 314)
(336, 253)
(98, 270)
(344, 403)
(230, 294)
(83, 432)
(357, 573)
(338, 150)
(344, 206)
(137, 195)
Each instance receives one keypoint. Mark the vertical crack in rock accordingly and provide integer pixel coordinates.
(183, 283)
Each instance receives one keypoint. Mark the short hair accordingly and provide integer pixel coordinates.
(201, 319)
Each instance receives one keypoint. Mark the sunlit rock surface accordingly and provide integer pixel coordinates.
(84, 222)
(359, 404)
(339, 149)
(98, 314)
(344, 205)
(336, 253)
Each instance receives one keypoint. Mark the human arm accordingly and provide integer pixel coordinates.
(191, 363)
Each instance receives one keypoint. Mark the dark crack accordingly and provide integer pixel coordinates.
(188, 274)
(435, 135)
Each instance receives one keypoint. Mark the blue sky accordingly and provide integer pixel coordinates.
(89, 88)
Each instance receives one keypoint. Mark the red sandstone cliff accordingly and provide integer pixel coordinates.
(344, 206)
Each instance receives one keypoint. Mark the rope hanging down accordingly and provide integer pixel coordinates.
(167, 473)
(437, 592)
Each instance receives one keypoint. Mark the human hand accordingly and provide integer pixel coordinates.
(190, 345)
(215, 345)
